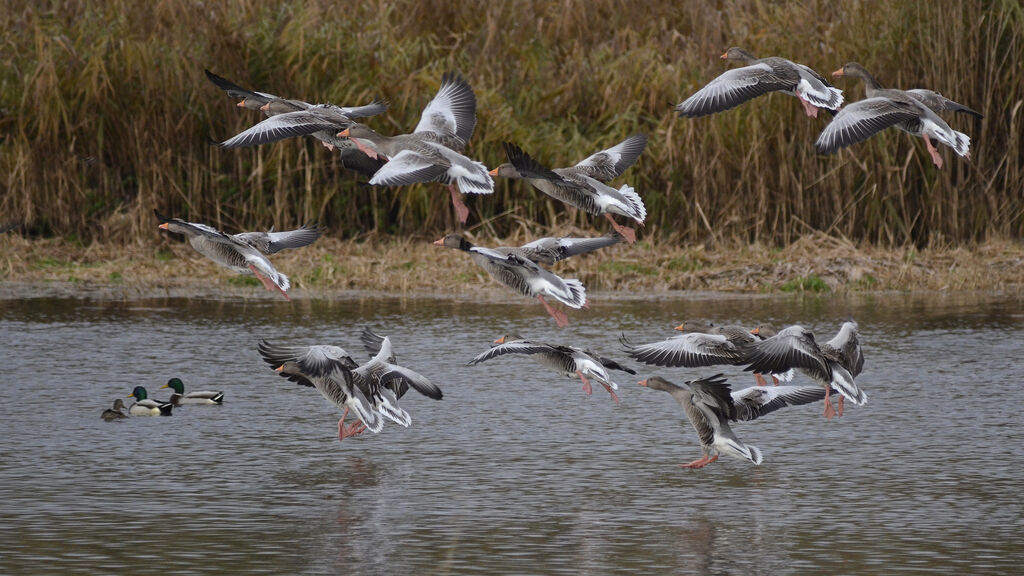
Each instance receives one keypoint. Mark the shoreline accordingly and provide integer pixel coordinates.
(399, 267)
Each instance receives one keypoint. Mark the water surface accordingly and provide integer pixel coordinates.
(516, 470)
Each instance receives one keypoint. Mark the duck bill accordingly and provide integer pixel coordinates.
(166, 386)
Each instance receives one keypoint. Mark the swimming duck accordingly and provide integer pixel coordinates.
(200, 397)
(329, 370)
(433, 151)
(515, 268)
(906, 110)
(243, 253)
(116, 412)
(143, 406)
(582, 185)
(761, 76)
(568, 361)
(795, 347)
(291, 118)
(710, 405)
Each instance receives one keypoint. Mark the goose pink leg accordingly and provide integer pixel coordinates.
(839, 412)
(267, 282)
(461, 210)
(587, 388)
(811, 110)
(829, 410)
(610, 391)
(700, 463)
(626, 232)
(760, 379)
(936, 157)
(561, 318)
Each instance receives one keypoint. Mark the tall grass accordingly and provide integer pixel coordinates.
(105, 113)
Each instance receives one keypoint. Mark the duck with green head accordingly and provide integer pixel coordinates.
(143, 406)
(200, 397)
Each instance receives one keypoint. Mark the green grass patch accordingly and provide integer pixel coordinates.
(812, 283)
(619, 267)
(243, 281)
(164, 255)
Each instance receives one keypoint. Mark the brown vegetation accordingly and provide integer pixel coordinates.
(105, 114)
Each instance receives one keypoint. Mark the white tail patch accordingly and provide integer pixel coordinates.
(637, 210)
(755, 455)
(576, 296)
(843, 382)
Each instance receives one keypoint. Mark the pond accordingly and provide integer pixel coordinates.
(515, 470)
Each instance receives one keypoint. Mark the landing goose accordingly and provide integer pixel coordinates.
(795, 347)
(568, 361)
(517, 268)
(710, 405)
(582, 185)
(243, 253)
(293, 118)
(702, 343)
(885, 108)
(761, 76)
(433, 151)
(329, 369)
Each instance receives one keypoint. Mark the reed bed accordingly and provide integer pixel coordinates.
(105, 114)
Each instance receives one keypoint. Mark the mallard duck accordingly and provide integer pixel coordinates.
(433, 151)
(329, 370)
(243, 253)
(291, 118)
(116, 412)
(200, 397)
(795, 347)
(143, 406)
(710, 405)
(568, 361)
(516, 269)
(906, 110)
(582, 185)
(761, 76)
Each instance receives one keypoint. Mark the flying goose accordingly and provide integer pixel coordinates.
(243, 253)
(433, 151)
(795, 347)
(582, 185)
(909, 111)
(517, 268)
(761, 76)
(568, 361)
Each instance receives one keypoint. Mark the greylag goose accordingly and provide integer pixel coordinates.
(702, 344)
(114, 413)
(883, 108)
(761, 76)
(293, 118)
(379, 347)
(384, 382)
(568, 361)
(710, 405)
(582, 185)
(145, 406)
(517, 268)
(795, 347)
(179, 396)
(243, 253)
(433, 151)
(329, 370)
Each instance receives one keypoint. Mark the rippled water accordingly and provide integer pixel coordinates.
(515, 471)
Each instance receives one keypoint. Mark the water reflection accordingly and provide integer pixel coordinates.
(515, 470)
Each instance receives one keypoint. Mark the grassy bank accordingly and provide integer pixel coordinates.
(105, 114)
(815, 264)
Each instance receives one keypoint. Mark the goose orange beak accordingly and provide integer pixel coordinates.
(343, 133)
(724, 56)
(439, 242)
(500, 340)
(756, 331)
(265, 106)
(163, 226)
(493, 172)
(680, 327)
(279, 368)
(838, 73)
(642, 382)
(241, 104)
